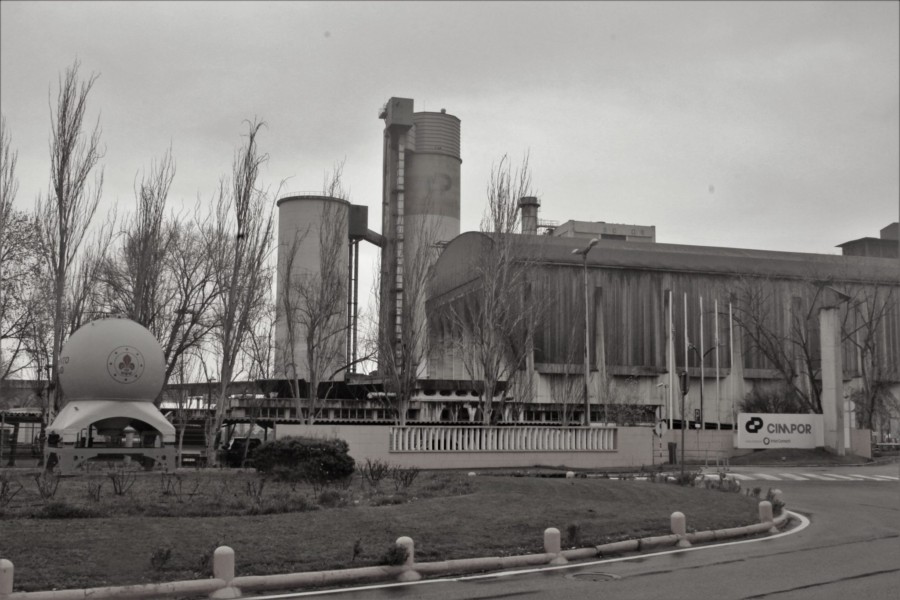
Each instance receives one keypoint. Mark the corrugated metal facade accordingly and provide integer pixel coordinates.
(628, 284)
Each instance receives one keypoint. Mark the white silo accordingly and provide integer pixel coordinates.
(420, 201)
(311, 288)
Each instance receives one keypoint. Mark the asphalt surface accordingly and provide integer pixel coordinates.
(850, 549)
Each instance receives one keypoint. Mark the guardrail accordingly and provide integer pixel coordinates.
(503, 439)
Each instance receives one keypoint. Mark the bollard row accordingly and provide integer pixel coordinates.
(225, 584)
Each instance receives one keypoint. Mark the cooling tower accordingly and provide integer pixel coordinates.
(312, 285)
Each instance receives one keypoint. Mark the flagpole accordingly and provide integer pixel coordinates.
(731, 360)
(718, 402)
(686, 349)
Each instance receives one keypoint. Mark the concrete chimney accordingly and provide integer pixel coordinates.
(529, 206)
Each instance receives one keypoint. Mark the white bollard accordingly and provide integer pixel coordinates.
(679, 528)
(765, 512)
(765, 515)
(409, 573)
(223, 568)
(553, 545)
(6, 577)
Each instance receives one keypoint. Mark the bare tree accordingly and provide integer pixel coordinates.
(84, 296)
(135, 279)
(871, 318)
(318, 312)
(188, 289)
(65, 214)
(19, 264)
(493, 323)
(567, 388)
(785, 336)
(242, 238)
(401, 358)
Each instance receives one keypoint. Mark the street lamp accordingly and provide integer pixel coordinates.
(587, 343)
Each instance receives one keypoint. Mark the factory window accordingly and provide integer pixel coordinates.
(612, 236)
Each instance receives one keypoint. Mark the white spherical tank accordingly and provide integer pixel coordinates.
(112, 359)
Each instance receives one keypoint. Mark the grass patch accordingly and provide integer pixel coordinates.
(448, 515)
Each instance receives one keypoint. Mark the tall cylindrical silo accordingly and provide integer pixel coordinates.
(432, 181)
(313, 255)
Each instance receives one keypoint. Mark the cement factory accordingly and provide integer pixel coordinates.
(621, 316)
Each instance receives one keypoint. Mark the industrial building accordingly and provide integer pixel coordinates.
(653, 308)
(613, 302)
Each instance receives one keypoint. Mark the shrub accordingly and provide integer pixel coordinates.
(8, 489)
(403, 477)
(47, 484)
(374, 471)
(331, 499)
(319, 462)
(390, 500)
(122, 479)
(94, 486)
(777, 505)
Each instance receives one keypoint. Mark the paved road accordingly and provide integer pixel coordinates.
(849, 550)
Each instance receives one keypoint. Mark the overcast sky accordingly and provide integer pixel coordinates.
(770, 125)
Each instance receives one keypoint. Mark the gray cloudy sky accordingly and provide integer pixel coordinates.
(768, 125)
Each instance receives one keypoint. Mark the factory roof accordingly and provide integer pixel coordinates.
(455, 265)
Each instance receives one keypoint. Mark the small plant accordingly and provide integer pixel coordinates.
(394, 556)
(47, 484)
(777, 505)
(172, 484)
(755, 492)
(403, 477)
(357, 549)
(160, 557)
(8, 489)
(93, 489)
(573, 534)
(205, 562)
(687, 478)
(254, 490)
(374, 471)
(331, 498)
(122, 479)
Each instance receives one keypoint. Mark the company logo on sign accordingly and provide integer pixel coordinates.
(754, 425)
(780, 431)
(125, 364)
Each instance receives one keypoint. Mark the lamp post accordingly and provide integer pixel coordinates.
(587, 342)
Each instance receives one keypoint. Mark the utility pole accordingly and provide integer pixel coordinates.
(685, 383)
(587, 328)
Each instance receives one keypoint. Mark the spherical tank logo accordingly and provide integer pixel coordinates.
(125, 364)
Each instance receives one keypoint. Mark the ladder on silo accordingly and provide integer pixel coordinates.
(398, 278)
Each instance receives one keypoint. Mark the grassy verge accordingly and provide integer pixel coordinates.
(448, 516)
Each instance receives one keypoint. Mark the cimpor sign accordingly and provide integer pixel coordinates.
(760, 430)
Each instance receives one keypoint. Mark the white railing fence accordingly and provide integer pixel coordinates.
(503, 439)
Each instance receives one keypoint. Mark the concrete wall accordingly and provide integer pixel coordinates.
(861, 442)
(704, 446)
(634, 449)
(707, 446)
